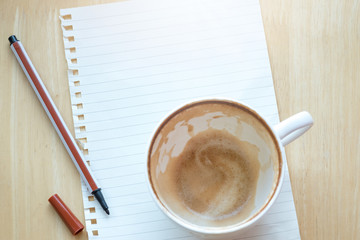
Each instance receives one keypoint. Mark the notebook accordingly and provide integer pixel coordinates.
(129, 64)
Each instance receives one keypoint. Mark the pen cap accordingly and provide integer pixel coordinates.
(71, 221)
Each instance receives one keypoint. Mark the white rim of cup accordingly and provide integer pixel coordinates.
(217, 230)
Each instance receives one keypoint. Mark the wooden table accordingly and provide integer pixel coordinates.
(314, 49)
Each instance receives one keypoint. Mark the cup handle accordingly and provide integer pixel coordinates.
(293, 127)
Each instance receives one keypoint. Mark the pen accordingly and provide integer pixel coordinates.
(57, 121)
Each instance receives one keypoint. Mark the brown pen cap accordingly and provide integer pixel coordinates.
(71, 221)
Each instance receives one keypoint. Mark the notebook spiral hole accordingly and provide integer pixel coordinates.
(70, 39)
(73, 73)
(68, 27)
(66, 17)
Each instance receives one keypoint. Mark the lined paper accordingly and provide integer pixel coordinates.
(130, 64)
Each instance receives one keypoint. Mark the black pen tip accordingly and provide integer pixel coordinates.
(98, 195)
(12, 39)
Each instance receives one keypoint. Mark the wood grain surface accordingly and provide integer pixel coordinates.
(314, 49)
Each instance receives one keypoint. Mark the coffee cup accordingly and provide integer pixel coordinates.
(215, 166)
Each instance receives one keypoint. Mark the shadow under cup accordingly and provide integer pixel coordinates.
(240, 124)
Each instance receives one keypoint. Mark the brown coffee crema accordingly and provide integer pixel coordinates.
(202, 172)
(216, 175)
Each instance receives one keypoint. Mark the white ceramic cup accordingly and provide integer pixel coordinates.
(171, 136)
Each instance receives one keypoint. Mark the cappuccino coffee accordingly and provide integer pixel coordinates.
(206, 161)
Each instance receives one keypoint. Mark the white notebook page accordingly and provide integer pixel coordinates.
(132, 62)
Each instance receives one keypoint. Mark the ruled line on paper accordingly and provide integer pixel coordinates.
(119, 157)
(177, 237)
(139, 15)
(175, 80)
(110, 112)
(160, 114)
(74, 32)
(188, 71)
(160, 220)
(133, 204)
(147, 200)
(140, 222)
(79, 66)
(127, 26)
(127, 185)
(94, 46)
(119, 137)
(162, 65)
(125, 215)
(113, 167)
(204, 81)
(172, 91)
(126, 126)
(283, 211)
(219, 94)
(136, 98)
(182, 89)
(123, 235)
(178, 90)
(161, 31)
(99, 160)
(78, 30)
(121, 165)
(157, 46)
(152, 38)
(123, 14)
(267, 234)
(129, 221)
(215, 64)
(128, 194)
(278, 222)
(180, 71)
(284, 201)
(127, 8)
(122, 175)
(140, 198)
(135, 115)
(188, 236)
(250, 237)
(119, 147)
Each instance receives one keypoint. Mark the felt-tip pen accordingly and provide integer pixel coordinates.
(57, 121)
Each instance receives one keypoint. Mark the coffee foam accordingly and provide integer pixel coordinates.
(191, 123)
(216, 175)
